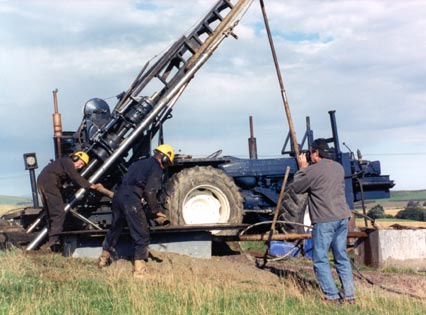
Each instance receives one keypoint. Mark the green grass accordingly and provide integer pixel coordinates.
(52, 284)
(253, 246)
(13, 200)
(407, 195)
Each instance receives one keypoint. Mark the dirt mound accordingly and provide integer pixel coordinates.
(238, 270)
(235, 269)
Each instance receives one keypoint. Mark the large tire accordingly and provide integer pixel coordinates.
(203, 195)
(294, 209)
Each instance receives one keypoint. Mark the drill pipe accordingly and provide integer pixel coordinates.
(291, 237)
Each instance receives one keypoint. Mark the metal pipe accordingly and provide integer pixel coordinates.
(224, 28)
(36, 222)
(162, 102)
(277, 210)
(291, 237)
(280, 201)
(38, 239)
(197, 60)
(57, 125)
(280, 80)
(130, 140)
(332, 114)
(252, 142)
(84, 219)
(34, 188)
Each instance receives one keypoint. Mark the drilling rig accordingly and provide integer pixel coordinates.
(218, 192)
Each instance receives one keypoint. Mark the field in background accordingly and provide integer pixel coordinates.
(387, 223)
(391, 206)
(407, 195)
(10, 203)
(14, 201)
(8, 208)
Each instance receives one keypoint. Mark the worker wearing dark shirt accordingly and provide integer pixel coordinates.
(323, 180)
(50, 182)
(142, 181)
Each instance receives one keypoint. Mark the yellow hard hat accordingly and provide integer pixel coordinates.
(167, 151)
(80, 155)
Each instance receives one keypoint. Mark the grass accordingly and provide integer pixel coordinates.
(407, 195)
(386, 223)
(14, 200)
(52, 284)
(10, 208)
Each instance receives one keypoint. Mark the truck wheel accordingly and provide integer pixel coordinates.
(294, 209)
(203, 195)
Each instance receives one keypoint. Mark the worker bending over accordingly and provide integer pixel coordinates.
(142, 181)
(50, 183)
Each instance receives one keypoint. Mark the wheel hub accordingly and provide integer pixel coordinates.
(204, 205)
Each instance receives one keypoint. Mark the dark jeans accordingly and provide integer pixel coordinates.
(54, 206)
(332, 235)
(127, 208)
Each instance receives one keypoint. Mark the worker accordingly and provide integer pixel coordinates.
(324, 182)
(50, 183)
(142, 181)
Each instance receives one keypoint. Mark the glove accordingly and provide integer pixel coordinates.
(161, 219)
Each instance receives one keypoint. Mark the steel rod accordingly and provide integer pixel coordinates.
(292, 237)
(280, 80)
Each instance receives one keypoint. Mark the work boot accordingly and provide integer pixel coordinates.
(55, 248)
(139, 269)
(104, 259)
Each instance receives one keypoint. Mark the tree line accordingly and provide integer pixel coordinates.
(415, 210)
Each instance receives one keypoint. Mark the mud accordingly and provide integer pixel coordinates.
(240, 271)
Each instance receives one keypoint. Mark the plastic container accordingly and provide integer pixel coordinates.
(281, 248)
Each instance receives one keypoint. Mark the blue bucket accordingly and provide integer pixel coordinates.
(281, 248)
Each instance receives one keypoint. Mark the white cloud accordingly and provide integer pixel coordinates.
(365, 59)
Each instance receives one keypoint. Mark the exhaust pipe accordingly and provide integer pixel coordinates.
(57, 126)
(252, 142)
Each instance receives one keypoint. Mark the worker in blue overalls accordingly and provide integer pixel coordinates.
(142, 181)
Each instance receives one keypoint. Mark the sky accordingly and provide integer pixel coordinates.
(364, 59)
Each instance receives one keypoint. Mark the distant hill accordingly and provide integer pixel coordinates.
(398, 199)
(13, 200)
(397, 195)
(407, 195)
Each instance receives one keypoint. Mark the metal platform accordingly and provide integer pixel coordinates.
(194, 244)
(194, 241)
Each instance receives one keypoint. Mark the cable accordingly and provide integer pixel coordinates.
(369, 281)
(296, 275)
(295, 249)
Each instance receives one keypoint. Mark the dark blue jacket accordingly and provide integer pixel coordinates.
(143, 180)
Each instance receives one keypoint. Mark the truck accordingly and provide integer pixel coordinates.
(218, 192)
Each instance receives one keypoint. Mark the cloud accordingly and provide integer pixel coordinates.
(366, 60)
